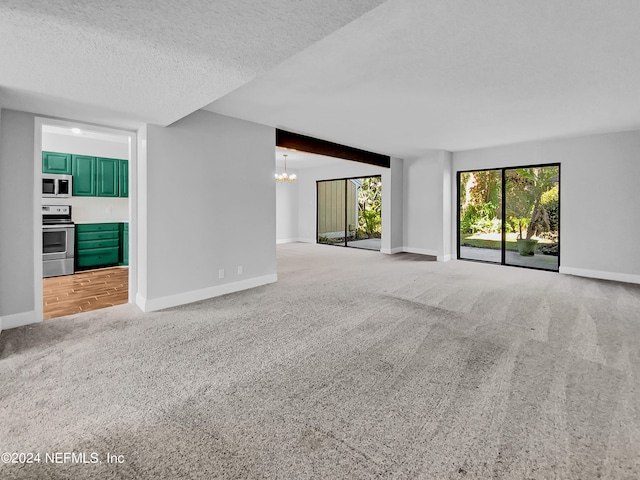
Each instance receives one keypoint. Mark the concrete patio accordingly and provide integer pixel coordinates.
(547, 262)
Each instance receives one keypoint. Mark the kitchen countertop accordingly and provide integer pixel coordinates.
(100, 221)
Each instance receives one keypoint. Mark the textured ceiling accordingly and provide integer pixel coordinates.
(413, 75)
(123, 62)
(398, 77)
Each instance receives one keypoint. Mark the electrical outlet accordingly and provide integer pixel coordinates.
(240, 270)
(221, 273)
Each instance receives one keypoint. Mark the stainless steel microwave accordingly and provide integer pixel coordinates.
(56, 186)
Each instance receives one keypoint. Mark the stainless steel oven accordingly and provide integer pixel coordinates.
(58, 241)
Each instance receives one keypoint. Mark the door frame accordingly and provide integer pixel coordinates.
(503, 208)
(41, 121)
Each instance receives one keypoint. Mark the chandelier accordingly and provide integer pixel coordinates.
(283, 177)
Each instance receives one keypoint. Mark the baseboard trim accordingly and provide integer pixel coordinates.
(443, 258)
(18, 320)
(287, 240)
(420, 251)
(153, 304)
(391, 251)
(141, 302)
(618, 277)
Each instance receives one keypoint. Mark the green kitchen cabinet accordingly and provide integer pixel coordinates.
(107, 177)
(101, 245)
(123, 178)
(92, 176)
(84, 173)
(57, 163)
(124, 243)
(97, 245)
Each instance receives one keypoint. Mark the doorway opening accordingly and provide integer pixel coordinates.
(85, 246)
(349, 212)
(510, 216)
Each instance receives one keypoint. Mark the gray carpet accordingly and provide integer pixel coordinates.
(354, 365)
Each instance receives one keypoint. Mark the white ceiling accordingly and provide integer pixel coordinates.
(414, 75)
(398, 77)
(124, 62)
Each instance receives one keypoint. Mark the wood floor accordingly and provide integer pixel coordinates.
(84, 291)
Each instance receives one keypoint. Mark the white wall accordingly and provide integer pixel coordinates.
(421, 212)
(89, 209)
(599, 227)
(95, 147)
(287, 211)
(17, 197)
(427, 212)
(307, 198)
(210, 198)
(94, 209)
(1, 171)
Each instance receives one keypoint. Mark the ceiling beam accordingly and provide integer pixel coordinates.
(295, 141)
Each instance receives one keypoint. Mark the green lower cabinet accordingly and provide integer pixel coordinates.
(98, 257)
(98, 227)
(102, 245)
(97, 245)
(90, 236)
(124, 244)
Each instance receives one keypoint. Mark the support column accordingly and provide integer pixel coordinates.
(445, 167)
(392, 194)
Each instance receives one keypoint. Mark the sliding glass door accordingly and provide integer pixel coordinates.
(366, 230)
(532, 209)
(480, 225)
(333, 218)
(350, 212)
(510, 216)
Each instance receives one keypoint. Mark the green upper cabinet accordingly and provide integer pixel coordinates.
(53, 162)
(84, 175)
(123, 174)
(98, 176)
(107, 177)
